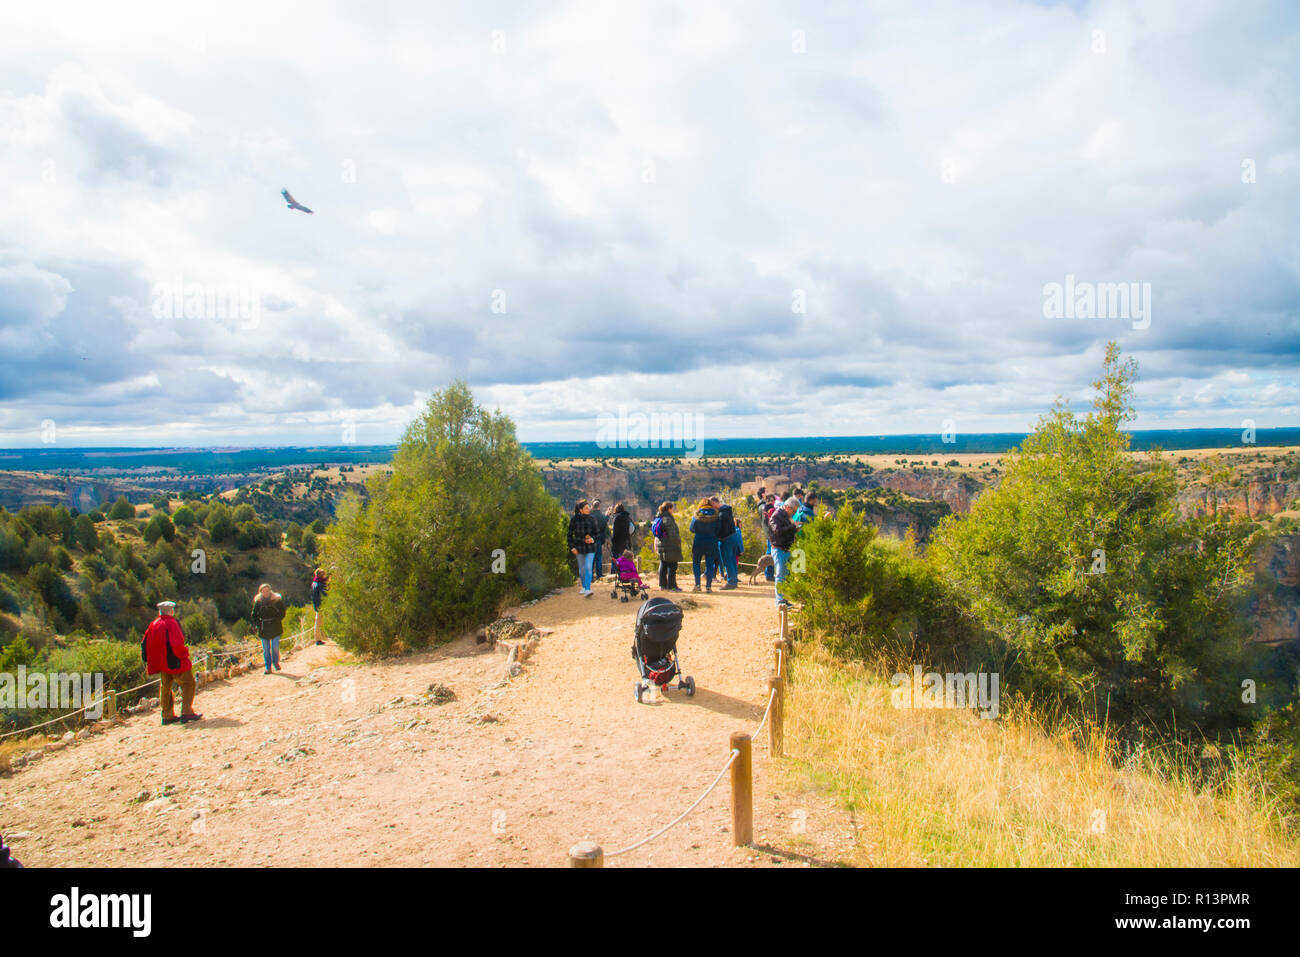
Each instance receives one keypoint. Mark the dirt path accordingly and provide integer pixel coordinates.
(312, 766)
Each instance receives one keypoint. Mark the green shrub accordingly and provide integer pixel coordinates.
(159, 526)
(871, 597)
(414, 564)
(1107, 596)
(122, 509)
(184, 517)
(196, 628)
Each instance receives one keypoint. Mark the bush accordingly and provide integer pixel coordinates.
(1108, 597)
(84, 534)
(184, 517)
(159, 526)
(219, 523)
(196, 628)
(251, 535)
(122, 509)
(414, 564)
(871, 597)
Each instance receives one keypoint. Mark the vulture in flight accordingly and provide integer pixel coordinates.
(293, 203)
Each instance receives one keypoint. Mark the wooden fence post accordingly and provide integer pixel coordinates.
(778, 658)
(742, 791)
(586, 854)
(785, 623)
(776, 719)
(110, 705)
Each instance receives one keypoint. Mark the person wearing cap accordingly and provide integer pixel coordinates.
(165, 654)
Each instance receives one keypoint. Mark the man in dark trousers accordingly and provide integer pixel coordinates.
(602, 536)
(165, 653)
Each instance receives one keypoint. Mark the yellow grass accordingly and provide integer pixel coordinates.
(948, 788)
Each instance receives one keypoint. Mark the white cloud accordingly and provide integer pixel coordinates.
(643, 187)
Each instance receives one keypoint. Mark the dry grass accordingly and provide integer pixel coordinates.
(947, 788)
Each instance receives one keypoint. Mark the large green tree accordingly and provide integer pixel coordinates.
(1105, 593)
(461, 526)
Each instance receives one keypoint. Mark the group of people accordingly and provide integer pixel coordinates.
(716, 545)
(589, 531)
(165, 653)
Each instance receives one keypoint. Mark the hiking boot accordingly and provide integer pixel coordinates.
(189, 717)
(170, 720)
(277, 666)
(696, 588)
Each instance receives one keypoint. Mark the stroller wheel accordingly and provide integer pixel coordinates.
(644, 595)
(614, 593)
(638, 689)
(625, 598)
(690, 687)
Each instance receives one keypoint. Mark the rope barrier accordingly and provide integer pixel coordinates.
(206, 656)
(33, 727)
(766, 711)
(667, 827)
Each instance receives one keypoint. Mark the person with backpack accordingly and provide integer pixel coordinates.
(705, 546)
(164, 652)
(783, 531)
(620, 538)
(729, 544)
(267, 617)
(319, 586)
(582, 543)
(668, 546)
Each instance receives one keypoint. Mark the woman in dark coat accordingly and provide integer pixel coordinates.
(268, 618)
(621, 531)
(668, 546)
(582, 543)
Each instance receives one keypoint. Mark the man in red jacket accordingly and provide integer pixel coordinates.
(165, 653)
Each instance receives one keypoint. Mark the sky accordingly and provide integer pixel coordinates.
(767, 219)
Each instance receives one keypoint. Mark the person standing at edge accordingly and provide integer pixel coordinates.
(164, 652)
(769, 505)
(783, 533)
(728, 544)
(705, 544)
(268, 617)
(582, 543)
(668, 545)
(602, 536)
(620, 538)
(319, 586)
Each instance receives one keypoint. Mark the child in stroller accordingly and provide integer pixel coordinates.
(629, 580)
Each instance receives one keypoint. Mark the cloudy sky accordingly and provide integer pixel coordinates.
(785, 219)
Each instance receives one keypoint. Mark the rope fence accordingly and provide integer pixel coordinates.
(739, 762)
(110, 697)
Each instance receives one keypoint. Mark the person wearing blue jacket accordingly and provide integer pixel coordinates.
(705, 545)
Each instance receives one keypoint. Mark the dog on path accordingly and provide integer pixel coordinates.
(764, 561)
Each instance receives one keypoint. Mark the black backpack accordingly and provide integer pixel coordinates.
(726, 522)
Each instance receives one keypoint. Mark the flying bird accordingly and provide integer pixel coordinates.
(293, 203)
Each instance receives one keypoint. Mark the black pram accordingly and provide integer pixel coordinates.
(658, 623)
